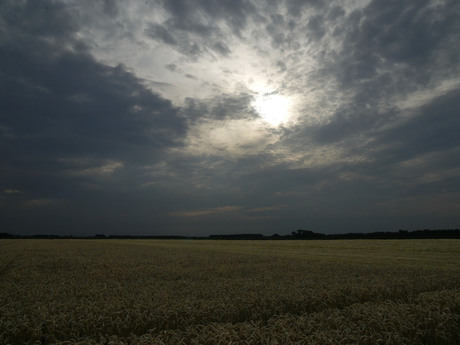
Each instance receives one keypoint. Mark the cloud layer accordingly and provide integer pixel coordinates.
(141, 117)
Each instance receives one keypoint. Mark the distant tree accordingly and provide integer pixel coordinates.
(306, 234)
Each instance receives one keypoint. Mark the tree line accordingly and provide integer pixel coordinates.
(299, 234)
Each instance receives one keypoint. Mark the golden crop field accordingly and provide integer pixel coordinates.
(229, 292)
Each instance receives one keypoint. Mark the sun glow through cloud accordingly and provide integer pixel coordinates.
(273, 108)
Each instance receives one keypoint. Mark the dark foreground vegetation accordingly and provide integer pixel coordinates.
(295, 235)
(162, 292)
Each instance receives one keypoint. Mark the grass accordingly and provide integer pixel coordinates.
(240, 292)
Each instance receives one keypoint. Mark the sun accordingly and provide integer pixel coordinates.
(273, 108)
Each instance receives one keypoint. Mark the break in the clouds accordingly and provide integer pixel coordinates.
(199, 117)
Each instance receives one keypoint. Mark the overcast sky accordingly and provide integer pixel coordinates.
(198, 117)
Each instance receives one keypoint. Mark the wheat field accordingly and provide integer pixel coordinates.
(229, 292)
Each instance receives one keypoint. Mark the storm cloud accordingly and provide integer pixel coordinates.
(203, 117)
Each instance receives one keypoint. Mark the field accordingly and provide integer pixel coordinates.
(229, 292)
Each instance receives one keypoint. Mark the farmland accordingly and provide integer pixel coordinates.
(222, 292)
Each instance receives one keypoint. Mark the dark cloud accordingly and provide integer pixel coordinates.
(335, 12)
(87, 147)
(223, 107)
(416, 35)
(183, 41)
(431, 128)
(46, 16)
(221, 48)
(187, 14)
(348, 122)
(316, 27)
(172, 67)
(190, 76)
(388, 52)
(160, 32)
(192, 26)
(276, 30)
(296, 7)
(281, 65)
(405, 169)
(110, 7)
(72, 126)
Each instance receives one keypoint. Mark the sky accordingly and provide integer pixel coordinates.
(199, 117)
